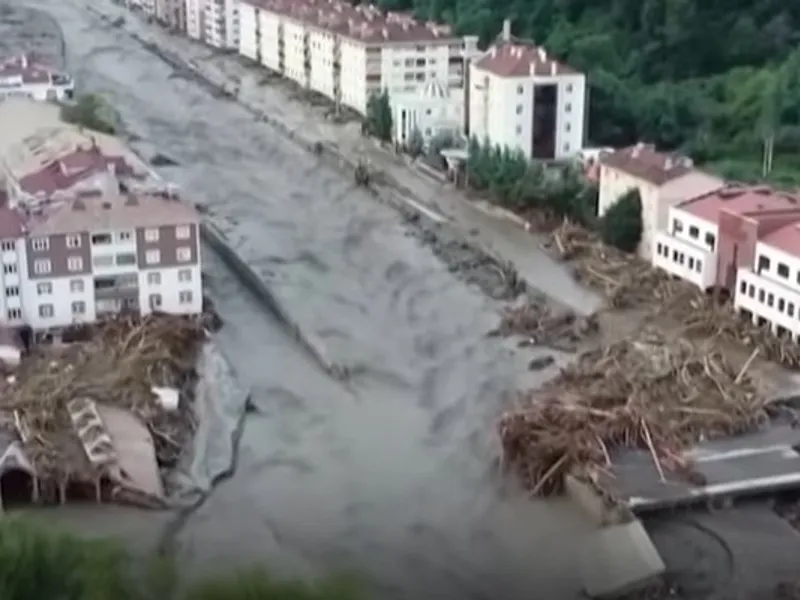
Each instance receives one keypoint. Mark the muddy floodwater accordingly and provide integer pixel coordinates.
(390, 473)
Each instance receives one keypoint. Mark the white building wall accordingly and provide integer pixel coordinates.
(322, 45)
(214, 23)
(248, 27)
(232, 25)
(294, 48)
(172, 282)
(64, 294)
(194, 18)
(12, 254)
(13, 87)
(149, 7)
(270, 36)
(354, 74)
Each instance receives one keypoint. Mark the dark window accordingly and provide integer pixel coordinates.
(781, 304)
(694, 232)
(743, 287)
(770, 299)
(761, 296)
(790, 309)
(751, 291)
(783, 270)
(763, 263)
(677, 226)
(710, 240)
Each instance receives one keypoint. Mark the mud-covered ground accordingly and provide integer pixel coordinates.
(31, 30)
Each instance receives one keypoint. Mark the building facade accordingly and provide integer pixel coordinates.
(523, 99)
(21, 76)
(432, 113)
(663, 180)
(347, 53)
(217, 22)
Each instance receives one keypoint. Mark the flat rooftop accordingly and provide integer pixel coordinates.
(786, 239)
(739, 199)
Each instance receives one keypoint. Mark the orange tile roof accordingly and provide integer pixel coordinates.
(521, 59)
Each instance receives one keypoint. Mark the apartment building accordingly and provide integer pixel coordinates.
(22, 76)
(523, 99)
(712, 237)
(171, 14)
(663, 179)
(768, 291)
(219, 22)
(347, 53)
(195, 19)
(149, 8)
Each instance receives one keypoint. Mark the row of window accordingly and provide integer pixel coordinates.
(692, 263)
(43, 266)
(76, 286)
(768, 298)
(151, 235)
(694, 233)
(47, 311)
(781, 269)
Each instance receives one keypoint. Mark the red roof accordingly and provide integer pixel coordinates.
(68, 170)
(645, 162)
(364, 22)
(739, 199)
(521, 59)
(786, 239)
(12, 224)
(30, 72)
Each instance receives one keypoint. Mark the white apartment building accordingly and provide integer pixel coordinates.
(149, 7)
(523, 99)
(433, 112)
(195, 19)
(347, 53)
(12, 255)
(662, 179)
(22, 77)
(220, 23)
(769, 293)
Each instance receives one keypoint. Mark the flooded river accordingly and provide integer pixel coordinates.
(390, 473)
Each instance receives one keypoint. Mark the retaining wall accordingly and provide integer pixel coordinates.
(217, 240)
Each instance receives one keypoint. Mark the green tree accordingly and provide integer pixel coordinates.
(416, 143)
(37, 563)
(621, 225)
(378, 120)
(90, 111)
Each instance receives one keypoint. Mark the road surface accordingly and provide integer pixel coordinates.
(391, 473)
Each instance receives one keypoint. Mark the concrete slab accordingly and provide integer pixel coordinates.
(619, 560)
(743, 466)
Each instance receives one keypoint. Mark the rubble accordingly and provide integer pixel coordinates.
(120, 364)
(652, 392)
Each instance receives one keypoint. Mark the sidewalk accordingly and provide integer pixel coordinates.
(300, 120)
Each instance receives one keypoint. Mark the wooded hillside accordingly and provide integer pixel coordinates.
(713, 77)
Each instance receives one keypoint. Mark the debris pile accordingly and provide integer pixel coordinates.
(541, 325)
(652, 393)
(118, 365)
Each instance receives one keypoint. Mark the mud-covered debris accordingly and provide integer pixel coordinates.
(540, 363)
(162, 160)
(542, 325)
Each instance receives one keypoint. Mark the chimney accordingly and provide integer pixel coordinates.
(668, 164)
(637, 150)
(385, 33)
(542, 54)
(507, 30)
(494, 51)
(553, 68)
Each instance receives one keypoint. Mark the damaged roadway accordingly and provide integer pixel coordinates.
(390, 472)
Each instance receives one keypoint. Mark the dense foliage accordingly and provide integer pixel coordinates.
(621, 225)
(712, 77)
(90, 111)
(39, 564)
(512, 180)
(378, 119)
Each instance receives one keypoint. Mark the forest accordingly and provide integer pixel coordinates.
(714, 78)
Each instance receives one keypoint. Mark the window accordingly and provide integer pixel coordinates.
(677, 226)
(8, 246)
(155, 301)
(76, 286)
(770, 299)
(151, 235)
(9, 269)
(45, 288)
(761, 296)
(674, 256)
(691, 263)
(698, 266)
(42, 266)
(520, 89)
(154, 278)
(40, 244)
(743, 287)
(124, 236)
(790, 309)
(781, 304)
(98, 239)
(45, 310)
(104, 260)
(185, 297)
(185, 275)
(659, 248)
(79, 308)
(75, 263)
(567, 127)
(681, 258)
(569, 88)
(519, 129)
(129, 258)
(783, 270)
(751, 290)
(73, 241)
(710, 240)
(12, 291)
(14, 313)
(694, 232)
(566, 147)
(519, 109)
(568, 107)
(763, 263)
(152, 257)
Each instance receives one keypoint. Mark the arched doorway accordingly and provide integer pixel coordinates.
(16, 488)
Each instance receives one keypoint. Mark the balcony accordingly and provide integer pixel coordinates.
(694, 264)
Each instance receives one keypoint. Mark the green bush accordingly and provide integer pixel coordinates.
(621, 225)
(92, 112)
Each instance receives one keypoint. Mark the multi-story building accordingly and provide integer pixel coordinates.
(220, 22)
(523, 99)
(711, 237)
(171, 14)
(768, 290)
(195, 19)
(149, 8)
(348, 52)
(662, 179)
(21, 76)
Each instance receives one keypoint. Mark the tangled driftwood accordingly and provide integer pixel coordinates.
(542, 325)
(652, 393)
(118, 365)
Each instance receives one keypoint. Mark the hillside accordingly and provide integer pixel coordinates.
(713, 77)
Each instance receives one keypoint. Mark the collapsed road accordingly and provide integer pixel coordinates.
(389, 473)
